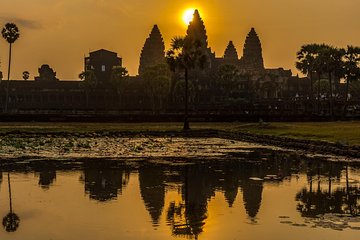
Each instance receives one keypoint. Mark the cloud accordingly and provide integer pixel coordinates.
(22, 22)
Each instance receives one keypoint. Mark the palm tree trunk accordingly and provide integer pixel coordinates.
(318, 93)
(346, 97)
(331, 97)
(186, 117)
(8, 82)
(311, 92)
(10, 192)
(311, 86)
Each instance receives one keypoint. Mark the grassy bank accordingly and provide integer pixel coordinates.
(342, 132)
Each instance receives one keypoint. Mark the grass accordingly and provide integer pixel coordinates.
(343, 132)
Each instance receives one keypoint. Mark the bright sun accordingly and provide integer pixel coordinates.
(188, 16)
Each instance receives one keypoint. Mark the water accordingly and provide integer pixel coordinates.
(263, 194)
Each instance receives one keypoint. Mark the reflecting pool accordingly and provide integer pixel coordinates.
(263, 194)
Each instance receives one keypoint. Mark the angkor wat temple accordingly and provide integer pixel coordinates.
(227, 85)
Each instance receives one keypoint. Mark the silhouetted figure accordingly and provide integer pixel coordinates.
(11, 221)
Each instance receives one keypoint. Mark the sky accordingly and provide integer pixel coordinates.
(61, 32)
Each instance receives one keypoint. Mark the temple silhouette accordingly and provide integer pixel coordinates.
(229, 85)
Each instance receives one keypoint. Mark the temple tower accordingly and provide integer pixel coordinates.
(153, 52)
(231, 54)
(197, 32)
(252, 57)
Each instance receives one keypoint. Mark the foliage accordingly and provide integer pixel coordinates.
(119, 77)
(179, 91)
(189, 53)
(324, 87)
(307, 58)
(10, 32)
(89, 79)
(351, 67)
(26, 75)
(352, 63)
(118, 73)
(157, 83)
(11, 222)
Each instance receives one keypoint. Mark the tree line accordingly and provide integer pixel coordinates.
(317, 61)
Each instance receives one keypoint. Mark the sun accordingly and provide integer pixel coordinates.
(188, 15)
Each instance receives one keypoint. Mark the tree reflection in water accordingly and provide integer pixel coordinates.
(11, 221)
(197, 182)
(324, 200)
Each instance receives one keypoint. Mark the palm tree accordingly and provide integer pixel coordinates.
(319, 69)
(186, 53)
(26, 75)
(307, 57)
(351, 69)
(10, 33)
(330, 60)
(11, 220)
(89, 81)
(119, 77)
(157, 84)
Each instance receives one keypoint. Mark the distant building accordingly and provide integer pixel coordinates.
(153, 52)
(102, 63)
(230, 84)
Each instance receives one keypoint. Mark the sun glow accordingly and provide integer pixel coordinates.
(188, 15)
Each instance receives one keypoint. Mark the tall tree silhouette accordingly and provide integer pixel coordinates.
(119, 77)
(10, 33)
(306, 63)
(331, 59)
(89, 82)
(11, 220)
(351, 69)
(188, 53)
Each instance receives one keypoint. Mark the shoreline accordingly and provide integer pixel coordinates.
(71, 140)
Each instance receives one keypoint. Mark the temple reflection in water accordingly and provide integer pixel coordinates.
(328, 188)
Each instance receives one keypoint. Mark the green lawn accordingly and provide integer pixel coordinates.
(345, 132)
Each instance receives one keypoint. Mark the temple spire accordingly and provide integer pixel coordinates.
(252, 51)
(153, 52)
(230, 52)
(196, 29)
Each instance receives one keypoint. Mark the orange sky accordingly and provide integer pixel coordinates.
(61, 32)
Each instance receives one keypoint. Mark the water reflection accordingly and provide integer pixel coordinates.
(102, 181)
(325, 198)
(11, 221)
(46, 173)
(321, 187)
(152, 189)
